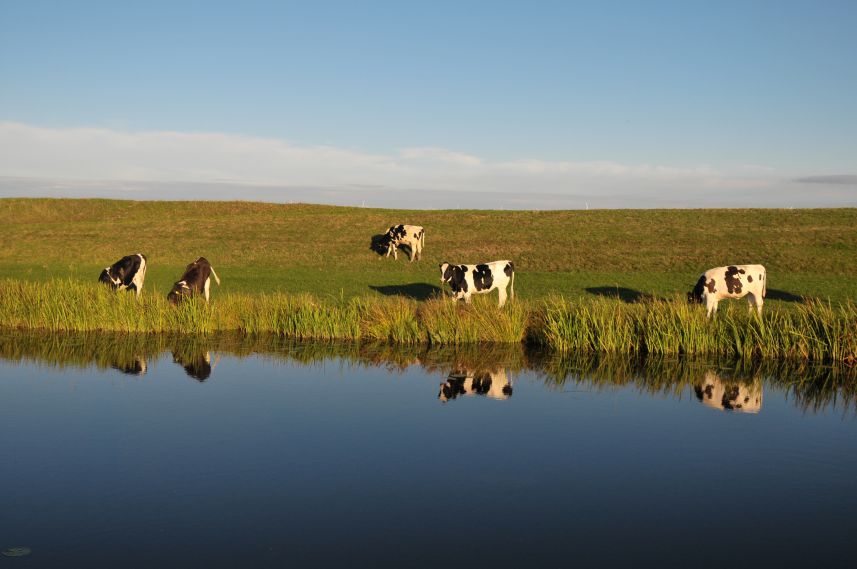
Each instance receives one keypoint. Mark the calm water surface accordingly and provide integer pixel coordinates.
(239, 456)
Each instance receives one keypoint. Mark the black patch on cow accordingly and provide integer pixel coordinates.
(482, 277)
(696, 294)
(509, 269)
(125, 269)
(507, 390)
(711, 286)
(454, 275)
(195, 275)
(453, 387)
(749, 278)
(733, 282)
(396, 231)
(730, 394)
(481, 383)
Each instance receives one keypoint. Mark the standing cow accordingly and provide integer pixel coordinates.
(734, 281)
(413, 236)
(195, 280)
(128, 273)
(465, 280)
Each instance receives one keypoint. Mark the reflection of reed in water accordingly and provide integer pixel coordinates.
(128, 354)
(741, 397)
(810, 387)
(493, 384)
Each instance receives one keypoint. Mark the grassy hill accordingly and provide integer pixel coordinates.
(324, 249)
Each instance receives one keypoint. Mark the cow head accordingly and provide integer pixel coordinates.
(179, 292)
(695, 296)
(454, 275)
(380, 243)
(108, 279)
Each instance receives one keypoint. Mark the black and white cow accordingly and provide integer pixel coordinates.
(195, 280)
(729, 396)
(466, 280)
(734, 281)
(127, 273)
(492, 384)
(413, 236)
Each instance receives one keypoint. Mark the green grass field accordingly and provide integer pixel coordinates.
(258, 247)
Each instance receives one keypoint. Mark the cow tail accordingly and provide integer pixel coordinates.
(422, 239)
(765, 284)
(215, 275)
(512, 285)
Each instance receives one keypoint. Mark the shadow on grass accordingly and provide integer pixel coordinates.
(628, 295)
(417, 291)
(785, 296)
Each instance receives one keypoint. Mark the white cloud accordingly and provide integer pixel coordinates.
(96, 155)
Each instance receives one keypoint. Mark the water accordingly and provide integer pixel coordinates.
(232, 452)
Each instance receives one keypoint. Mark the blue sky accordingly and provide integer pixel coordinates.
(730, 91)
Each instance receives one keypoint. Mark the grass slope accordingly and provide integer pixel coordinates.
(258, 247)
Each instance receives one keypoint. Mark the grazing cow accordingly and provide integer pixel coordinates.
(734, 281)
(732, 396)
(413, 236)
(195, 280)
(492, 384)
(127, 273)
(466, 280)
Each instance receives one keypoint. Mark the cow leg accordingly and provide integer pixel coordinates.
(467, 298)
(711, 305)
(502, 291)
(206, 287)
(755, 302)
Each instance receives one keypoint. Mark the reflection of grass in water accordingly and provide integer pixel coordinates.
(811, 386)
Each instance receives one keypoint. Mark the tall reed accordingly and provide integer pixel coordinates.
(813, 331)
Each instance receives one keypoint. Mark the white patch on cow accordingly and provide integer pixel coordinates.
(140, 277)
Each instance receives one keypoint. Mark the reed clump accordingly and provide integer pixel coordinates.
(813, 331)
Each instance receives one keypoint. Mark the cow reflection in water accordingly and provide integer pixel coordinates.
(136, 366)
(196, 365)
(464, 381)
(729, 395)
